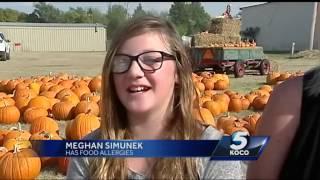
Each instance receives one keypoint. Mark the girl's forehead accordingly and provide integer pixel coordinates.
(145, 42)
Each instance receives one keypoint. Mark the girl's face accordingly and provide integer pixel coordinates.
(140, 91)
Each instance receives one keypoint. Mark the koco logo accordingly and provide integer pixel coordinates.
(239, 141)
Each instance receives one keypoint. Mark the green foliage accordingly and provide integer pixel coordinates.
(189, 18)
(139, 12)
(9, 15)
(116, 16)
(47, 13)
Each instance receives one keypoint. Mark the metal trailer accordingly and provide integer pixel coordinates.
(226, 59)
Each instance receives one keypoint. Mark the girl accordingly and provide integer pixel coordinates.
(147, 94)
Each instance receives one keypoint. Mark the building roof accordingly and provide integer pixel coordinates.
(254, 5)
(18, 24)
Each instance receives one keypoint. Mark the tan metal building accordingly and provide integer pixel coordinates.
(282, 23)
(54, 37)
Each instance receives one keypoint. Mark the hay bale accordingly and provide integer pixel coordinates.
(209, 39)
(225, 26)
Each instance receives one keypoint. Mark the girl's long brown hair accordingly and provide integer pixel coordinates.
(182, 126)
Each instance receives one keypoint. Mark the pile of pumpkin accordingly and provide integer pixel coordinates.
(41, 102)
(208, 81)
(230, 124)
(210, 104)
(240, 44)
(275, 77)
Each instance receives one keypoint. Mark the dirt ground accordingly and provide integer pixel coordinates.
(90, 64)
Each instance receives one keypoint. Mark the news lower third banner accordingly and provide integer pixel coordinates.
(239, 146)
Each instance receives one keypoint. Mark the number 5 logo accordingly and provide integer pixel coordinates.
(239, 136)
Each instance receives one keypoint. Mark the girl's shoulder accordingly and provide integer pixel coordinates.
(93, 135)
(211, 132)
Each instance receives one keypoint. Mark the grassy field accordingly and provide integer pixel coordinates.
(90, 64)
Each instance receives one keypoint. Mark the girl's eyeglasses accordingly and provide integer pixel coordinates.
(149, 61)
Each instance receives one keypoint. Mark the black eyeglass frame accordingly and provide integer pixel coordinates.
(164, 55)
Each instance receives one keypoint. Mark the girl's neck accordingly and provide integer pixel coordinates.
(151, 125)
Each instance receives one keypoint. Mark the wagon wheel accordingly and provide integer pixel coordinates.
(239, 69)
(264, 67)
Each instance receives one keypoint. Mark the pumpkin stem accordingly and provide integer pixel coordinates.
(4, 102)
(16, 148)
(3, 149)
(88, 111)
(19, 126)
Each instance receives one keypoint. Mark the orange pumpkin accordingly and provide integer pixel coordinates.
(209, 93)
(63, 110)
(252, 121)
(284, 76)
(68, 130)
(66, 83)
(73, 99)
(213, 107)
(26, 164)
(221, 85)
(95, 84)
(204, 116)
(6, 101)
(33, 113)
(9, 114)
(11, 143)
(79, 90)
(22, 103)
(3, 133)
(221, 120)
(40, 101)
(64, 93)
(200, 86)
(245, 103)
(251, 97)
(235, 104)
(44, 124)
(48, 94)
(87, 106)
(83, 124)
(272, 78)
(230, 127)
(267, 88)
(260, 102)
(92, 97)
(17, 133)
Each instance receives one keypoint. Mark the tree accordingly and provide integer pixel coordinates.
(76, 15)
(116, 16)
(48, 13)
(189, 17)
(199, 19)
(9, 15)
(138, 11)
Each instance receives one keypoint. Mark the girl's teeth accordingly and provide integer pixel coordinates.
(138, 89)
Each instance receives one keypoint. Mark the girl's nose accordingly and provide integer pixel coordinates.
(135, 71)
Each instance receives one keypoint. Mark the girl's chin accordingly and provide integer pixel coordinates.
(138, 109)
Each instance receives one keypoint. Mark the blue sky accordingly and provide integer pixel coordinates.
(213, 8)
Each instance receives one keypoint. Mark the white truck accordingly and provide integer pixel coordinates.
(4, 47)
